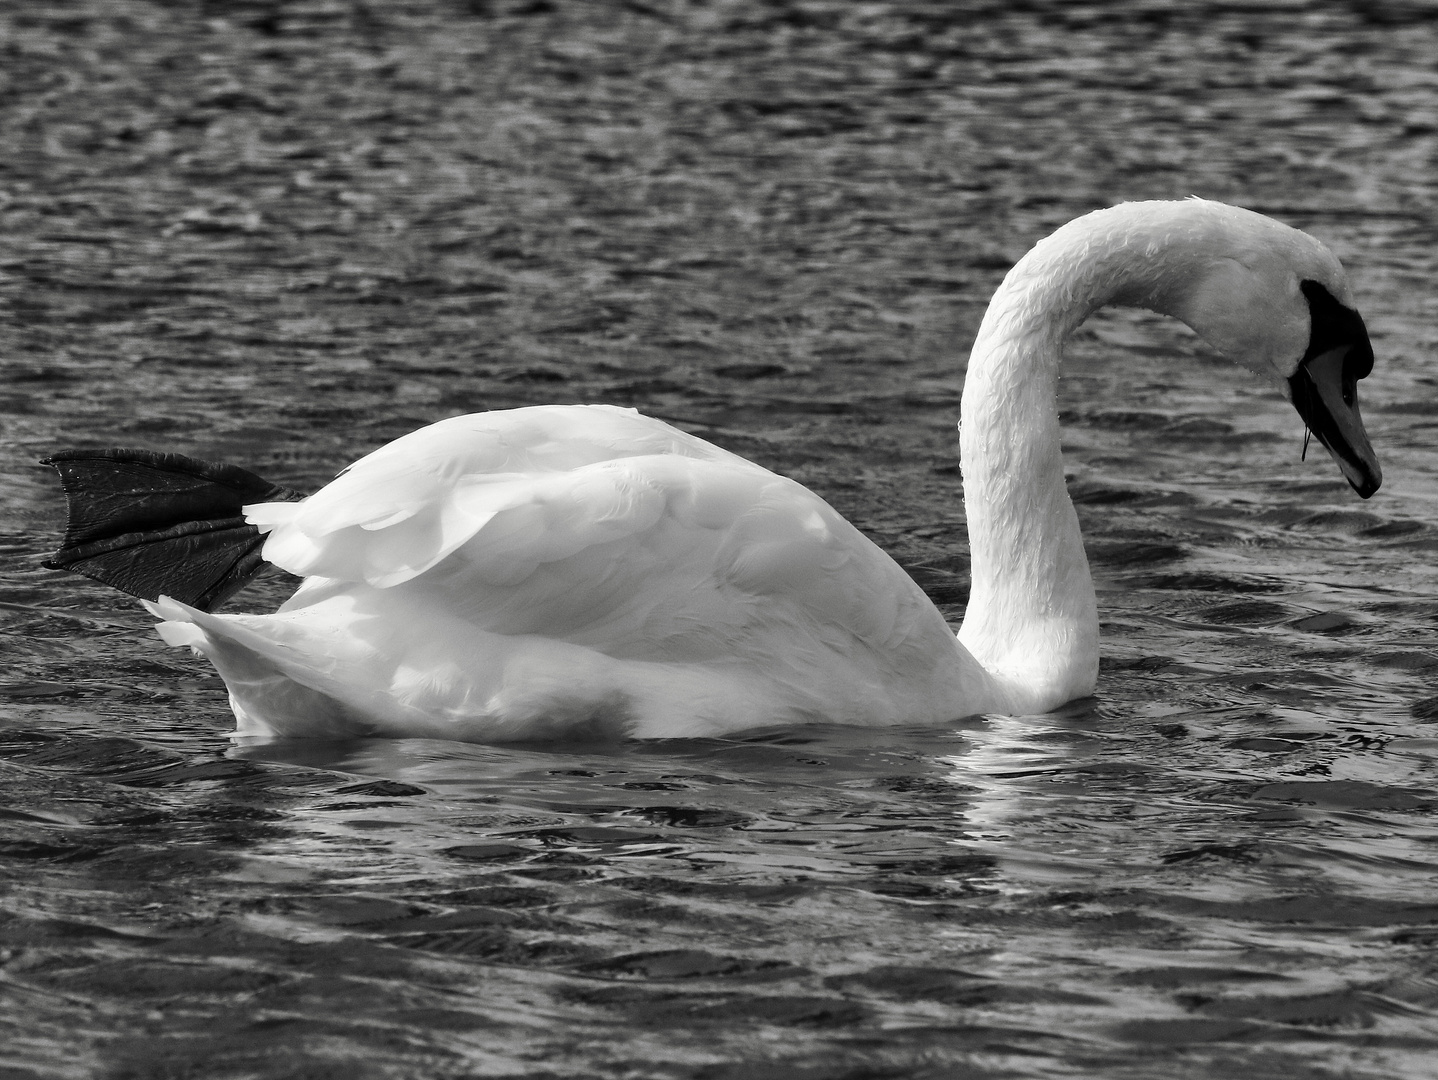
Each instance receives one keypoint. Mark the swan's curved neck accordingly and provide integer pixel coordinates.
(1032, 619)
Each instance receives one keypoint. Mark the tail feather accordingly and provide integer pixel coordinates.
(155, 524)
(267, 699)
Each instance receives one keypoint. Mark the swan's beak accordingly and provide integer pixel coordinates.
(1325, 393)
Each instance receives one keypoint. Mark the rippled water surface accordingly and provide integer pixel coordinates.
(283, 233)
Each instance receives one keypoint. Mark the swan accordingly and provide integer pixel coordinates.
(568, 570)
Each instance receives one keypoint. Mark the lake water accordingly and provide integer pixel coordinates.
(281, 234)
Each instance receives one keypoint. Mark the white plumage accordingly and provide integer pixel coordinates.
(514, 574)
(561, 570)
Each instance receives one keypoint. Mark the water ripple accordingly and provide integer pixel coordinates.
(282, 234)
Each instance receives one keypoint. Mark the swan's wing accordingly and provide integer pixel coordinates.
(602, 527)
(397, 512)
(683, 559)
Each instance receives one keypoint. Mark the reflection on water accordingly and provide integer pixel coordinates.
(286, 235)
(1082, 887)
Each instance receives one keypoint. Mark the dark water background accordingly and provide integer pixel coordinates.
(284, 233)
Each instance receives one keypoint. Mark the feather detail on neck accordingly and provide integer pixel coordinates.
(1032, 620)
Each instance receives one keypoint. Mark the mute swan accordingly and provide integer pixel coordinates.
(577, 568)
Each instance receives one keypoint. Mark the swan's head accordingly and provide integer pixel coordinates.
(1277, 301)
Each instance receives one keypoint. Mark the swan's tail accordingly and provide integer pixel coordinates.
(154, 524)
(266, 697)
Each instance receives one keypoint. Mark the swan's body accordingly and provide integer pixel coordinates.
(530, 573)
(514, 574)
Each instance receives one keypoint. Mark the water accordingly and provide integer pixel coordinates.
(282, 234)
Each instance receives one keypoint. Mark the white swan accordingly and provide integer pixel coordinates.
(551, 570)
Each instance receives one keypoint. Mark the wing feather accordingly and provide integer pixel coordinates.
(598, 526)
(399, 511)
